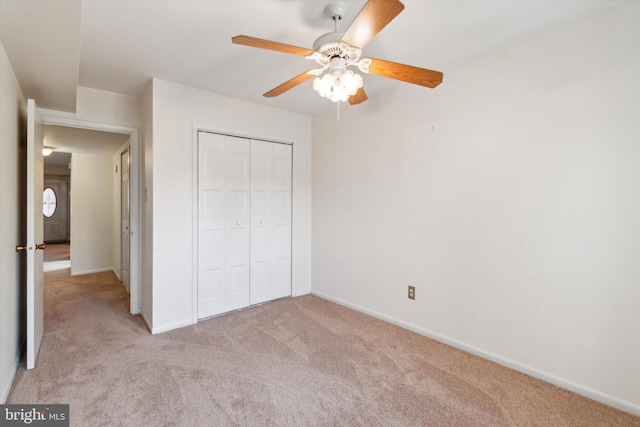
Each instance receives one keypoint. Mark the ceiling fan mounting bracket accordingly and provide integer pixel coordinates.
(335, 10)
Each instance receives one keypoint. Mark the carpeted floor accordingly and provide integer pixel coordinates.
(294, 362)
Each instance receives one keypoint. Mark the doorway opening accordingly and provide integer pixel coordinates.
(102, 207)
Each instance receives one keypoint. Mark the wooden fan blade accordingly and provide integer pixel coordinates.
(374, 16)
(359, 97)
(405, 73)
(268, 44)
(290, 84)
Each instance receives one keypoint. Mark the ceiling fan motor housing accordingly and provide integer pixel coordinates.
(329, 43)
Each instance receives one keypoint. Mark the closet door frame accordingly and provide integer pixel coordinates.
(199, 127)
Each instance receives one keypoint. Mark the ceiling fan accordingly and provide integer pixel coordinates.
(335, 52)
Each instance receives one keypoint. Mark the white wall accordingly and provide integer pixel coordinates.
(175, 111)
(12, 302)
(95, 105)
(91, 213)
(509, 196)
(99, 106)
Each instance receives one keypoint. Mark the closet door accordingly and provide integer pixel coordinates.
(223, 223)
(281, 214)
(270, 221)
(238, 226)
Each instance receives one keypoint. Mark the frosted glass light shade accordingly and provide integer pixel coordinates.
(338, 88)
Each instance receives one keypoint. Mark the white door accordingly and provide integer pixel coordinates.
(281, 218)
(223, 224)
(238, 226)
(211, 224)
(270, 221)
(125, 241)
(35, 234)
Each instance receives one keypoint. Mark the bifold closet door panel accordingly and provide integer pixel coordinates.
(238, 224)
(270, 221)
(281, 214)
(223, 223)
(211, 224)
(261, 221)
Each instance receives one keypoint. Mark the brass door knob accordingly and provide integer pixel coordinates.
(41, 246)
(21, 248)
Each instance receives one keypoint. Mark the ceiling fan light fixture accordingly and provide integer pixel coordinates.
(338, 87)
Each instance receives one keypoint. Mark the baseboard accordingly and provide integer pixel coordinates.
(172, 326)
(83, 272)
(606, 399)
(5, 389)
(301, 292)
(117, 274)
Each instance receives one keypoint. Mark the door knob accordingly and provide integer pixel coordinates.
(21, 248)
(41, 246)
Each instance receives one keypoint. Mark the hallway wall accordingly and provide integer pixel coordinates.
(91, 213)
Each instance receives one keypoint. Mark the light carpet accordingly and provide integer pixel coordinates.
(295, 362)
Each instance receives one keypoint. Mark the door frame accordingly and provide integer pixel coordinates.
(200, 127)
(135, 173)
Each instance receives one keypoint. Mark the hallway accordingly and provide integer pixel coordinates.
(56, 257)
(57, 252)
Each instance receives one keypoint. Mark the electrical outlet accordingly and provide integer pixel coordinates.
(412, 292)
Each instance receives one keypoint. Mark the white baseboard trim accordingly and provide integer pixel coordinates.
(146, 320)
(301, 292)
(608, 400)
(5, 389)
(83, 272)
(117, 274)
(172, 326)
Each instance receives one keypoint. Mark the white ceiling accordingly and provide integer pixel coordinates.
(55, 46)
(75, 140)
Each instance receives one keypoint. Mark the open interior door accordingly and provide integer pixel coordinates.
(35, 234)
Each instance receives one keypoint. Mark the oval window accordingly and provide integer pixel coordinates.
(49, 202)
